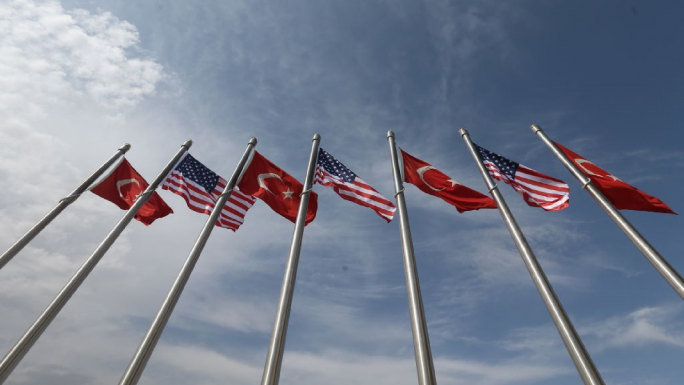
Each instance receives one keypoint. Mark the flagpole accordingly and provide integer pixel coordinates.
(421, 340)
(19, 350)
(63, 203)
(142, 355)
(276, 347)
(573, 343)
(659, 263)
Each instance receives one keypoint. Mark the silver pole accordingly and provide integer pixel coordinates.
(585, 366)
(659, 263)
(276, 348)
(421, 340)
(19, 350)
(63, 203)
(142, 355)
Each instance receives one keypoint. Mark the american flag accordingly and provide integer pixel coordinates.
(201, 187)
(537, 189)
(330, 172)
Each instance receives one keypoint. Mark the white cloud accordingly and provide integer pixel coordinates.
(339, 367)
(473, 372)
(648, 326)
(655, 325)
(203, 366)
(59, 65)
(49, 55)
(61, 72)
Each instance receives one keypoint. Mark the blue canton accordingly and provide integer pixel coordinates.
(506, 167)
(334, 167)
(198, 173)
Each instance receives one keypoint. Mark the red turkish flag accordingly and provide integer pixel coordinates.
(122, 188)
(432, 181)
(278, 189)
(622, 195)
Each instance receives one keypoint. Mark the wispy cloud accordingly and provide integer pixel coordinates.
(655, 325)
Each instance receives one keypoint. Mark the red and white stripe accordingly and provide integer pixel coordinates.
(198, 199)
(537, 189)
(358, 192)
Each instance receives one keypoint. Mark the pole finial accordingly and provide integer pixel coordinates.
(187, 144)
(125, 148)
(253, 141)
(463, 131)
(316, 136)
(390, 134)
(535, 128)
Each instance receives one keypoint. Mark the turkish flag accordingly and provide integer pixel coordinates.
(432, 181)
(278, 189)
(123, 186)
(619, 193)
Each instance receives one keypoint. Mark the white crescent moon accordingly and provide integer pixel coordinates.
(422, 171)
(262, 177)
(123, 183)
(580, 162)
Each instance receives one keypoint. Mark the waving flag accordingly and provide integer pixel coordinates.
(537, 189)
(331, 173)
(123, 186)
(280, 191)
(201, 188)
(432, 181)
(619, 193)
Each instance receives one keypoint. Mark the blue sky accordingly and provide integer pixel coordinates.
(79, 78)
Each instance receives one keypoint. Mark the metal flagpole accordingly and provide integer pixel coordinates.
(274, 357)
(585, 366)
(142, 355)
(19, 350)
(659, 263)
(63, 203)
(421, 340)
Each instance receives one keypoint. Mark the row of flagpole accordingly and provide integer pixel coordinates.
(424, 363)
(573, 343)
(19, 350)
(63, 203)
(142, 355)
